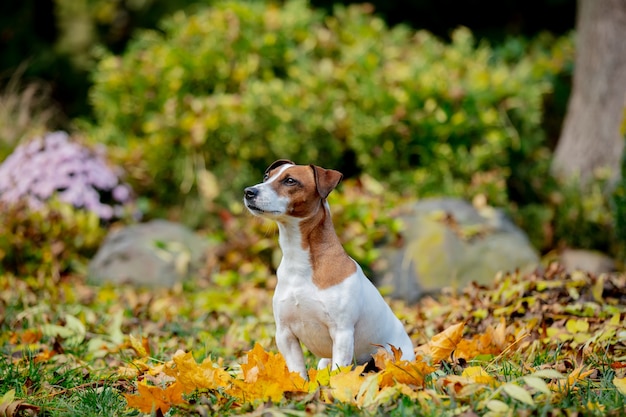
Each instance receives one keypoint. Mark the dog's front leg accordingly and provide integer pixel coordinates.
(289, 345)
(343, 347)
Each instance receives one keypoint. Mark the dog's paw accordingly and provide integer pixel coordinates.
(323, 363)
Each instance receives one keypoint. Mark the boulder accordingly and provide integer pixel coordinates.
(158, 253)
(448, 242)
(586, 260)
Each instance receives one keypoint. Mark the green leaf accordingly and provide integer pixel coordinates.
(518, 393)
(73, 332)
(537, 384)
(548, 373)
(8, 397)
(497, 406)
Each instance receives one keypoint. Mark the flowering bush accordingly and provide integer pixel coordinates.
(54, 165)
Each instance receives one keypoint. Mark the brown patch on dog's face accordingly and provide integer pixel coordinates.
(297, 184)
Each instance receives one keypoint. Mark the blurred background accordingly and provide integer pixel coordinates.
(190, 100)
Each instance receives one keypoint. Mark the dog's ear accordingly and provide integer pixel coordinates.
(326, 180)
(276, 164)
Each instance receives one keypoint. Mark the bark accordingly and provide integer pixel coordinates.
(590, 138)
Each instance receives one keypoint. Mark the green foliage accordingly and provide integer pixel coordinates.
(229, 89)
(48, 242)
(363, 212)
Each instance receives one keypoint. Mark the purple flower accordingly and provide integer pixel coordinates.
(121, 193)
(53, 164)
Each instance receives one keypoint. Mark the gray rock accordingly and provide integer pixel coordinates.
(586, 260)
(158, 253)
(449, 243)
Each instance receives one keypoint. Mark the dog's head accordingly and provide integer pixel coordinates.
(291, 190)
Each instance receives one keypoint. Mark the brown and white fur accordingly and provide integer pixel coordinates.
(322, 299)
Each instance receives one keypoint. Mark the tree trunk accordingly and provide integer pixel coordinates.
(591, 137)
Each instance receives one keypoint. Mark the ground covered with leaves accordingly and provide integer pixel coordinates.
(548, 343)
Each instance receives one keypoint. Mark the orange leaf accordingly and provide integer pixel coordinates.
(266, 376)
(30, 336)
(192, 375)
(44, 356)
(395, 370)
(442, 344)
(578, 375)
(404, 372)
(151, 398)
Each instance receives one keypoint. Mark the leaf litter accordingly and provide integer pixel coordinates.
(527, 342)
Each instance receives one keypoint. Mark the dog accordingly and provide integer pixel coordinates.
(322, 298)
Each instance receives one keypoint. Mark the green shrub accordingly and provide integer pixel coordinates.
(47, 243)
(196, 111)
(221, 93)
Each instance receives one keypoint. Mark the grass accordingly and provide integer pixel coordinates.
(71, 371)
(26, 110)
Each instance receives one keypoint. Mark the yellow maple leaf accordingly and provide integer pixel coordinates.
(442, 344)
(134, 368)
(345, 383)
(478, 375)
(151, 398)
(192, 375)
(141, 346)
(266, 377)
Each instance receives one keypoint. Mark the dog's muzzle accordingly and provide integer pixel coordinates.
(250, 194)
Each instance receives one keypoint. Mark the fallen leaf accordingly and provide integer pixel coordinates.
(577, 326)
(548, 373)
(17, 408)
(442, 344)
(345, 383)
(266, 377)
(192, 375)
(140, 346)
(478, 375)
(45, 355)
(497, 406)
(411, 373)
(578, 375)
(537, 384)
(620, 384)
(518, 393)
(151, 398)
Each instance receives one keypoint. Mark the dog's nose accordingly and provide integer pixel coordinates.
(250, 192)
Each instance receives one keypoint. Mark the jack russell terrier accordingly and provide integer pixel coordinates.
(322, 298)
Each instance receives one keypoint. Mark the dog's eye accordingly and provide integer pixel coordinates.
(265, 177)
(289, 181)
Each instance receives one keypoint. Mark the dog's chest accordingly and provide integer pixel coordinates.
(296, 298)
(306, 315)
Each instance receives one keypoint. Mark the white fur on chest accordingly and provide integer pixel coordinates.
(298, 304)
